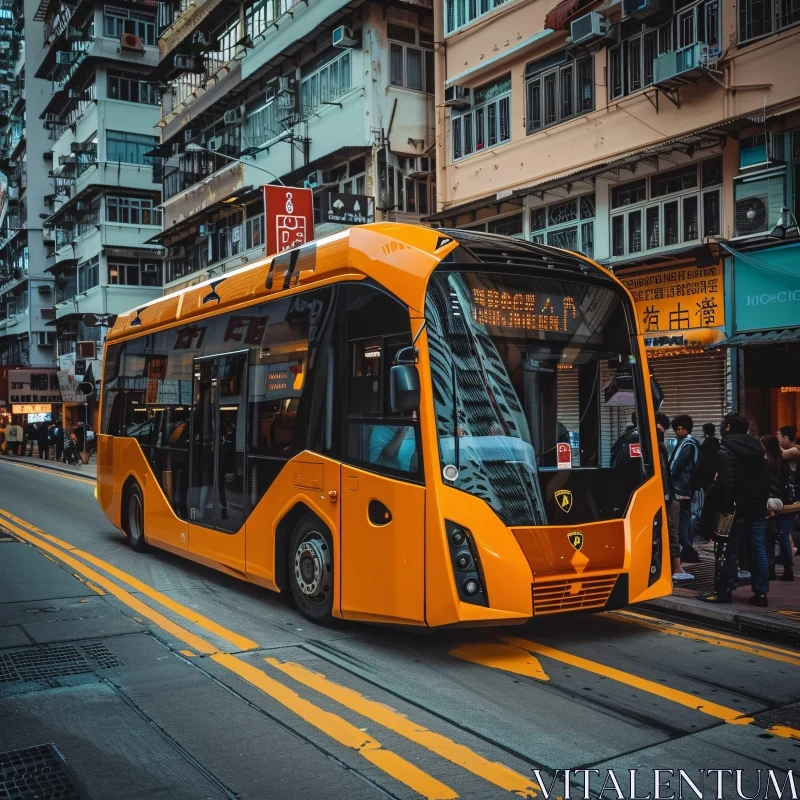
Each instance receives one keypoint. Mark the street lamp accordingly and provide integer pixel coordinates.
(193, 147)
(786, 221)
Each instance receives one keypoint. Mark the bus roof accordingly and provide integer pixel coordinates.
(401, 257)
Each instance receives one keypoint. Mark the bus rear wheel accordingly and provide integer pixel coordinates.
(134, 518)
(310, 569)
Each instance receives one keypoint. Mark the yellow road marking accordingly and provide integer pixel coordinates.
(784, 732)
(708, 637)
(459, 754)
(328, 723)
(340, 730)
(238, 641)
(84, 581)
(187, 653)
(502, 656)
(730, 715)
(118, 592)
(56, 472)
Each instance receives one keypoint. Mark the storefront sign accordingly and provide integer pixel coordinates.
(792, 389)
(767, 289)
(682, 299)
(33, 386)
(348, 209)
(289, 217)
(564, 455)
(68, 386)
(32, 408)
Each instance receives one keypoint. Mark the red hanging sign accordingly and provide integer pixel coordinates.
(564, 455)
(288, 217)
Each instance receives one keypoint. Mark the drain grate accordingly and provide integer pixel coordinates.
(38, 772)
(788, 716)
(42, 663)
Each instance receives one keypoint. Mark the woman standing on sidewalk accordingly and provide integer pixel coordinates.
(788, 491)
(43, 440)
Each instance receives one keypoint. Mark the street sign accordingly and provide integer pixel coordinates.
(349, 209)
(289, 217)
(635, 450)
(564, 455)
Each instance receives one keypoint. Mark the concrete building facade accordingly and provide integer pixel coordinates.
(660, 138)
(335, 96)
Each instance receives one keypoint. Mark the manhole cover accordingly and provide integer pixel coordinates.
(37, 663)
(788, 717)
(38, 772)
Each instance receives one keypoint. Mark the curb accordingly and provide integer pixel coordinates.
(726, 618)
(47, 466)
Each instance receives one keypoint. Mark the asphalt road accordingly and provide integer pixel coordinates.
(197, 685)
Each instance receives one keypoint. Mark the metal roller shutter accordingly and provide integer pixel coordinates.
(693, 385)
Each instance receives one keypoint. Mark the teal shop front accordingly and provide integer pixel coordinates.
(766, 331)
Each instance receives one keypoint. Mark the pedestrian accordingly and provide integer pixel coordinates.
(43, 440)
(3, 443)
(742, 489)
(681, 466)
(678, 572)
(57, 439)
(80, 442)
(14, 438)
(784, 487)
(30, 439)
(708, 450)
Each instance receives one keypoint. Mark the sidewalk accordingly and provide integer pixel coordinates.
(88, 471)
(781, 620)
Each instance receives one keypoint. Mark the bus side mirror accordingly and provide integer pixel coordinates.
(404, 387)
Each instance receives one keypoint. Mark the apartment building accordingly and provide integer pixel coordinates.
(26, 289)
(99, 120)
(660, 137)
(331, 95)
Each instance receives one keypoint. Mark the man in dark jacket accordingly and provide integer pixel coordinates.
(708, 449)
(681, 466)
(742, 488)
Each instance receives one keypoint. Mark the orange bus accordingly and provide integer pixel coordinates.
(395, 424)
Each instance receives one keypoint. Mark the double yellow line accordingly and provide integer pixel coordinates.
(332, 725)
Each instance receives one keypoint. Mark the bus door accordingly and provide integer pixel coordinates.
(217, 498)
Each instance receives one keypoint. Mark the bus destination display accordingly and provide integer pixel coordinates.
(540, 311)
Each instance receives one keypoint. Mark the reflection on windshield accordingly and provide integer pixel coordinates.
(521, 370)
(481, 424)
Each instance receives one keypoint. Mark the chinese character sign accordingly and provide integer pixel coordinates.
(289, 215)
(678, 299)
(544, 311)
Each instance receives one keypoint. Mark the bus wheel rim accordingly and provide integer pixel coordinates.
(312, 566)
(135, 516)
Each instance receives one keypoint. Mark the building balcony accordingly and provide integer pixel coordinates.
(107, 300)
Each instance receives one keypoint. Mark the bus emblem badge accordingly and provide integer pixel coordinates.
(575, 539)
(564, 500)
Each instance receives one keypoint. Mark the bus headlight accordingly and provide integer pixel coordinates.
(658, 546)
(467, 572)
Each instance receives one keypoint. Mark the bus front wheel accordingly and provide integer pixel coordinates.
(134, 518)
(310, 569)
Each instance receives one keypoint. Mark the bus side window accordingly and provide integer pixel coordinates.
(377, 327)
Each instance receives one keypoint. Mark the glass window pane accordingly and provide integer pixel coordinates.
(587, 206)
(653, 230)
(634, 64)
(618, 235)
(691, 227)
(585, 85)
(587, 239)
(413, 68)
(491, 122)
(566, 93)
(671, 223)
(560, 213)
(430, 72)
(505, 119)
(712, 172)
(634, 231)
(566, 238)
(457, 146)
(550, 99)
(467, 134)
(711, 226)
(396, 64)
(480, 125)
(534, 105)
(538, 219)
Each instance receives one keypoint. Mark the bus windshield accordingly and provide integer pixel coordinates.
(534, 381)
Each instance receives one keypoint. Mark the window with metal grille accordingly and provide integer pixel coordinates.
(487, 123)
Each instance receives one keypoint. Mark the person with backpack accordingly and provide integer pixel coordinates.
(682, 463)
(742, 490)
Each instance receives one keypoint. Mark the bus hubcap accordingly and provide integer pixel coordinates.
(312, 567)
(135, 517)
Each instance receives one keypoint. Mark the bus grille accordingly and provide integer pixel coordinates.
(572, 595)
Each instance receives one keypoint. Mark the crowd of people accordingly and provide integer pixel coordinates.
(49, 440)
(740, 491)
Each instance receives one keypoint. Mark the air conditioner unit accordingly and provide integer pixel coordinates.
(65, 57)
(87, 349)
(419, 166)
(83, 147)
(457, 97)
(130, 41)
(187, 63)
(588, 27)
(214, 143)
(751, 215)
(758, 151)
(642, 9)
(313, 179)
(344, 37)
(677, 67)
(233, 117)
(209, 229)
(45, 338)
(67, 159)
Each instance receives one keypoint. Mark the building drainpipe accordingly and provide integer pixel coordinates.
(440, 73)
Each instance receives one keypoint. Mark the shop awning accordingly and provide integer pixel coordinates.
(764, 337)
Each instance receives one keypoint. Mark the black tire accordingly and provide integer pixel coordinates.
(133, 518)
(310, 569)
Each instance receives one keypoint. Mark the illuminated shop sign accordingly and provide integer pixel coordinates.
(541, 311)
